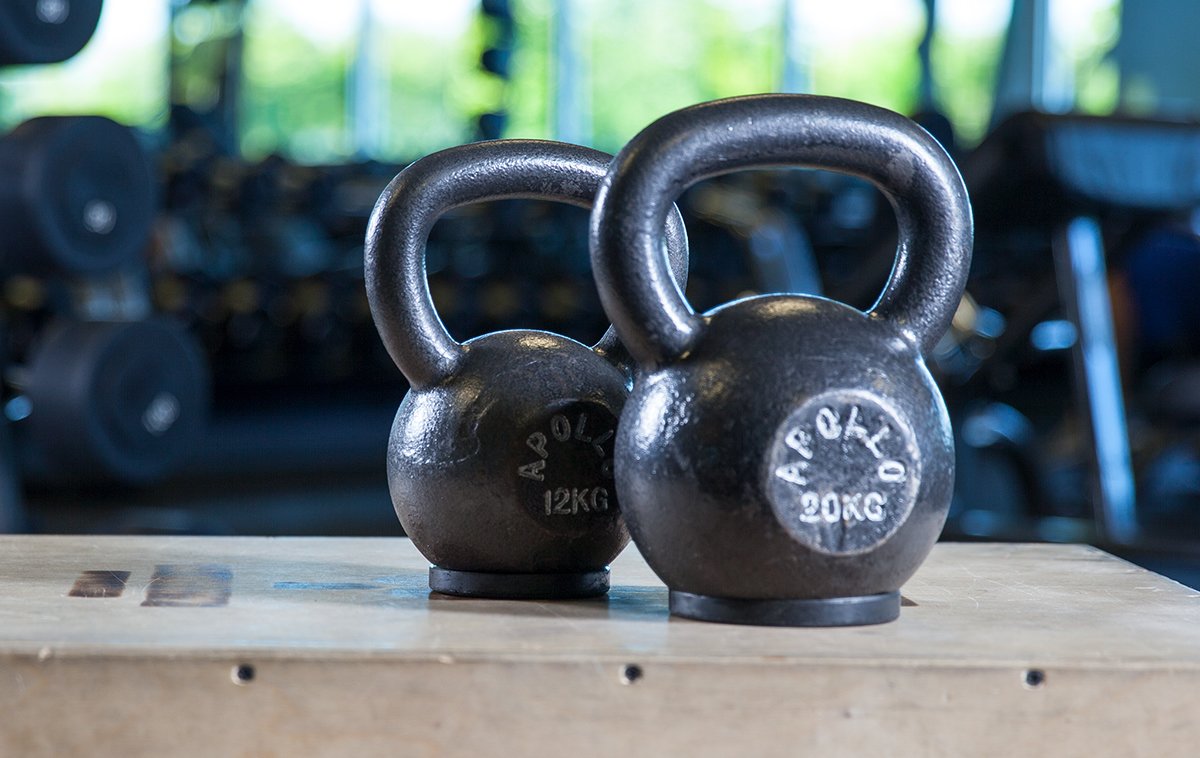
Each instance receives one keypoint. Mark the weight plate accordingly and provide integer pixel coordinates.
(119, 401)
(84, 198)
(45, 31)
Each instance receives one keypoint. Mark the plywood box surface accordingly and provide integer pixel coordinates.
(315, 646)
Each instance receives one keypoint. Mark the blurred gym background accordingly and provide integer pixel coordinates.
(184, 188)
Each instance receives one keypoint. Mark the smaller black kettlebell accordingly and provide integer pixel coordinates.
(783, 459)
(500, 459)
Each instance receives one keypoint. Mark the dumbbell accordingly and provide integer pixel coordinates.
(783, 459)
(499, 459)
(76, 196)
(45, 31)
(113, 401)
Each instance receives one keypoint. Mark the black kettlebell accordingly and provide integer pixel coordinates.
(500, 460)
(784, 459)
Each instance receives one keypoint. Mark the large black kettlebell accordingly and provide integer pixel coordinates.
(784, 459)
(500, 460)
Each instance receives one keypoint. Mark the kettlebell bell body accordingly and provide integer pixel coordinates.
(500, 458)
(784, 459)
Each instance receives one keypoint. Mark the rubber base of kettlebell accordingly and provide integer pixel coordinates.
(518, 586)
(834, 611)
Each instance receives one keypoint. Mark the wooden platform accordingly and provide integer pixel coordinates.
(294, 647)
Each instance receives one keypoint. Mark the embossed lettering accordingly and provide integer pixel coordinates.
(564, 501)
(537, 443)
(829, 425)
(811, 504)
(579, 427)
(850, 508)
(843, 472)
(599, 499)
(562, 447)
(533, 471)
(598, 443)
(873, 506)
(872, 443)
(855, 430)
(791, 473)
(831, 508)
(850, 511)
(579, 500)
(892, 471)
(800, 441)
(560, 427)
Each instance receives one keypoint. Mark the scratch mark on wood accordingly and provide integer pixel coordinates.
(189, 586)
(99, 583)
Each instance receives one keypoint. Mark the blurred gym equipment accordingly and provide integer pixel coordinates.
(78, 196)
(45, 31)
(1053, 195)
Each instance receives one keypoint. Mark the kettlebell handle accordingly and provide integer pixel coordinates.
(650, 313)
(398, 230)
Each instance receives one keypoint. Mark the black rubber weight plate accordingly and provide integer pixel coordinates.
(119, 401)
(87, 198)
(45, 31)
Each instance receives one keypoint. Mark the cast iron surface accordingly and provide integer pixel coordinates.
(518, 586)
(865, 609)
(500, 460)
(784, 447)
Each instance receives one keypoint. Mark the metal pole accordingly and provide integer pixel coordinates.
(1079, 259)
(365, 110)
(570, 94)
(926, 95)
(795, 75)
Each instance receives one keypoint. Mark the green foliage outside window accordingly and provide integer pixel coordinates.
(424, 86)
